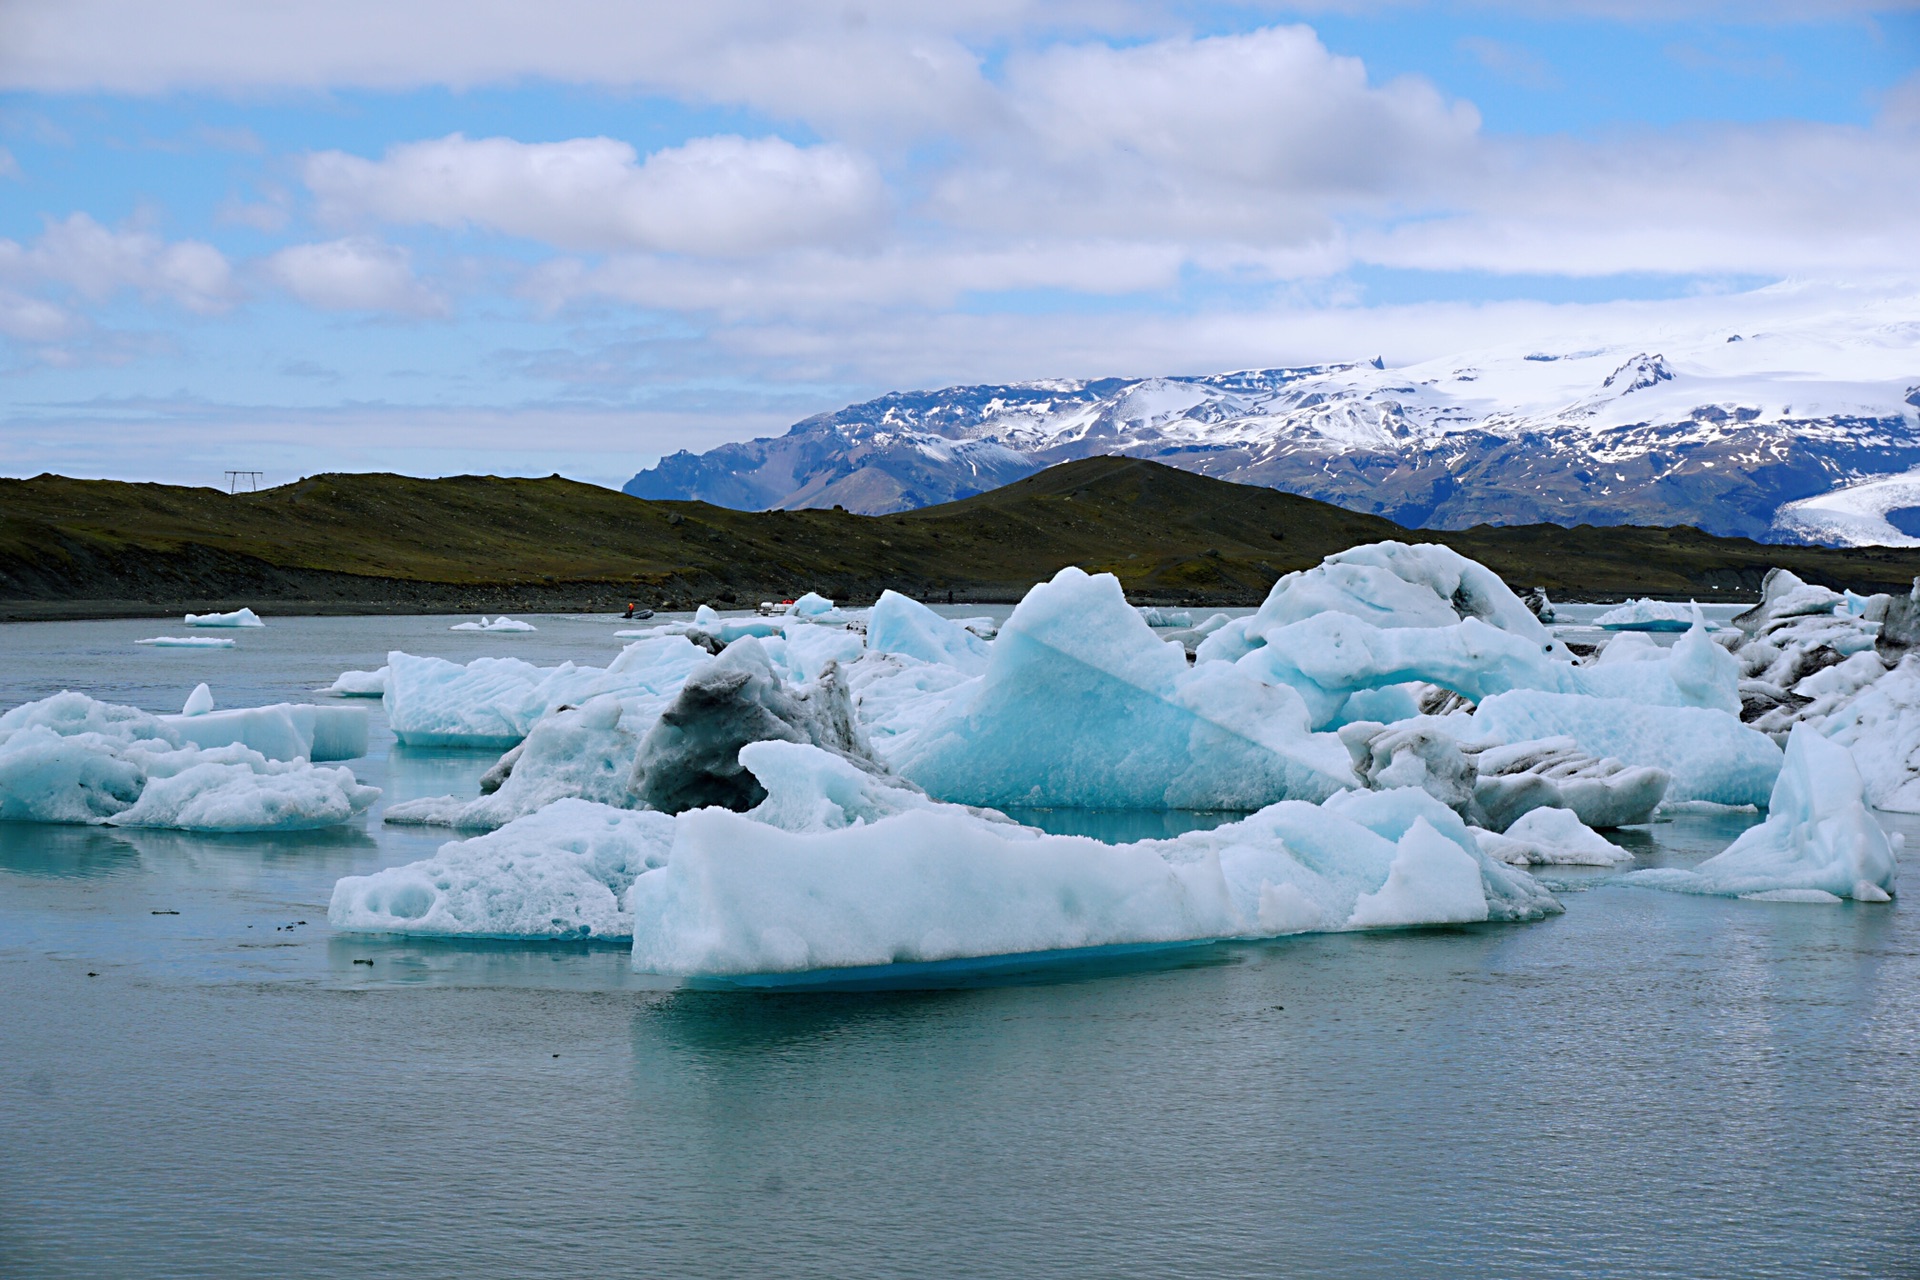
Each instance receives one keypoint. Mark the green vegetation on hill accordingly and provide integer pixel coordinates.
(384, 542)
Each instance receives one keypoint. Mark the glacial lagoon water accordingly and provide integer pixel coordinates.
(1651, 1085)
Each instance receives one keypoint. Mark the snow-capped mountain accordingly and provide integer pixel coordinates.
(1764, 434)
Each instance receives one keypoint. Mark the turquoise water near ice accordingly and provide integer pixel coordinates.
(1650, 1085)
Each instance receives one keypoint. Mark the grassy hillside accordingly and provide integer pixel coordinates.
(384, 542)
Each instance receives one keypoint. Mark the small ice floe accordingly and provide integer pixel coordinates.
(1551, 837)
(1820, 842)
(1158, 618)
(72, 759)
(238, 618)
(501, 623)
(188, 642)
(359, 684)
(1647, 615)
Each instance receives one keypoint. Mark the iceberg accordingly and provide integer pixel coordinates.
(907, 627)
(810, 605)
(199, 702)
(1165, 618)
(1819, 842)
(501, 623)
(868, 876)
(359, 684)
(1518, 778)
(564, 872)
(72, 759)
(1647, 615)
(1389, 585)
(238, 618)
(691, 757)
(1551, 837)
(1080, 705)
(1708, 754)
(1880, 723)
(284, 731)
(188, 642)
(495, 702)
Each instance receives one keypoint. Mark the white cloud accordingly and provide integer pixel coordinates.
(717, 195)
(29, 319)
(354, 274)
(97, 262)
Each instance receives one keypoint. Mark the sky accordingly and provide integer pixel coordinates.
(486, 236)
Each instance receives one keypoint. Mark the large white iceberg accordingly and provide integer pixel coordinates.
(238, 618)
(1818, 844)
(1388, 585)
(563, 872)
(70, 758)
(1880, 723)
(900, 881)
(1081, 705)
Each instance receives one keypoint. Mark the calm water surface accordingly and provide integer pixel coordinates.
(1651, 1085)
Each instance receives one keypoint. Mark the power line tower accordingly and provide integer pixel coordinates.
(235, 477)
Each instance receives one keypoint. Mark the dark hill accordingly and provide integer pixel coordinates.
(384, 543)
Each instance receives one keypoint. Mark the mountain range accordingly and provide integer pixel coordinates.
(1796, 432)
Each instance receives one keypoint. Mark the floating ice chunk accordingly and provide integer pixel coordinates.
(1430, 881)
(1412, 755)
(1818, 835)
(1647, 615)
(284, 731)
(1552, 837)
(1159, 618)
(495, 702)
(238, 618)
(1190, 638)
(800, 654)
(581, 753)
(188, 642)
(359, 684)
(501, 623)
(235, 789)
(1881, 725)
(691, 755)
(1389, 585)
(1517, 778)
(810, 605)
(1709, 755)
(808, 789)
(861, 886)
(70, 758)
(563, 872)
(1081, 705)
(199, 702)
(907, 627)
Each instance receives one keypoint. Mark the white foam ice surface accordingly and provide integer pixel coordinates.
(188, 642)
(238, 618)
(1819, 838)
(72, 759)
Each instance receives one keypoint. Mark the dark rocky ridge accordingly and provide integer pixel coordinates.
(392, 544)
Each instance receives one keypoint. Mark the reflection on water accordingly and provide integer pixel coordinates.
(1123, 826)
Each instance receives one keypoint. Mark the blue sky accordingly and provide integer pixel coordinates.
(442, 237)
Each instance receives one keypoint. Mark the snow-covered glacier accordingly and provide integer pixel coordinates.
(1804, 424)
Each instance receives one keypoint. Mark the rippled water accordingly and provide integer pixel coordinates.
(1650, 1085)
